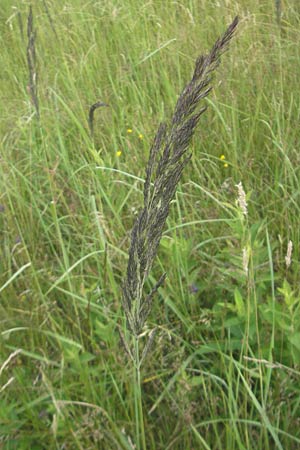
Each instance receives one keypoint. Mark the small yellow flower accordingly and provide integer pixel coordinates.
(222, 157)
(129, 130)
(141, 136)
(225, 165)
(119, 153)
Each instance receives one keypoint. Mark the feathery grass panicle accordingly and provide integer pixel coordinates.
(168, 157)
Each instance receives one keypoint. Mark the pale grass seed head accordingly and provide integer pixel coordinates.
(242, 199)
(245, 260)
(288, 258)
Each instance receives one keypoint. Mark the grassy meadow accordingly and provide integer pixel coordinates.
(223, 372)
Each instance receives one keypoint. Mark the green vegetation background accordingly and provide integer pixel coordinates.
(224, 370)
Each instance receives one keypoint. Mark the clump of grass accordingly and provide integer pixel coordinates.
(168, 157)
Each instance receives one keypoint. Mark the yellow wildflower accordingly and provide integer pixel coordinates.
(225, 165)
(141, 136)
(119, 153)
(222, 157)
(129, 130)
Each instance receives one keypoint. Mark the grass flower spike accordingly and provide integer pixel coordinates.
(242, 199)
(288, 257)
(168, 157)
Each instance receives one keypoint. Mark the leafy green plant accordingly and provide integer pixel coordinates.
(287, 320)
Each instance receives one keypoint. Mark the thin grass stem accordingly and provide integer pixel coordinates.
(139, 415)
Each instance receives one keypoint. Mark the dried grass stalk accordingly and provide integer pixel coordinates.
(168, 157)
(91, 115)
(31, 62)
(50, 18)
(278, 8)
